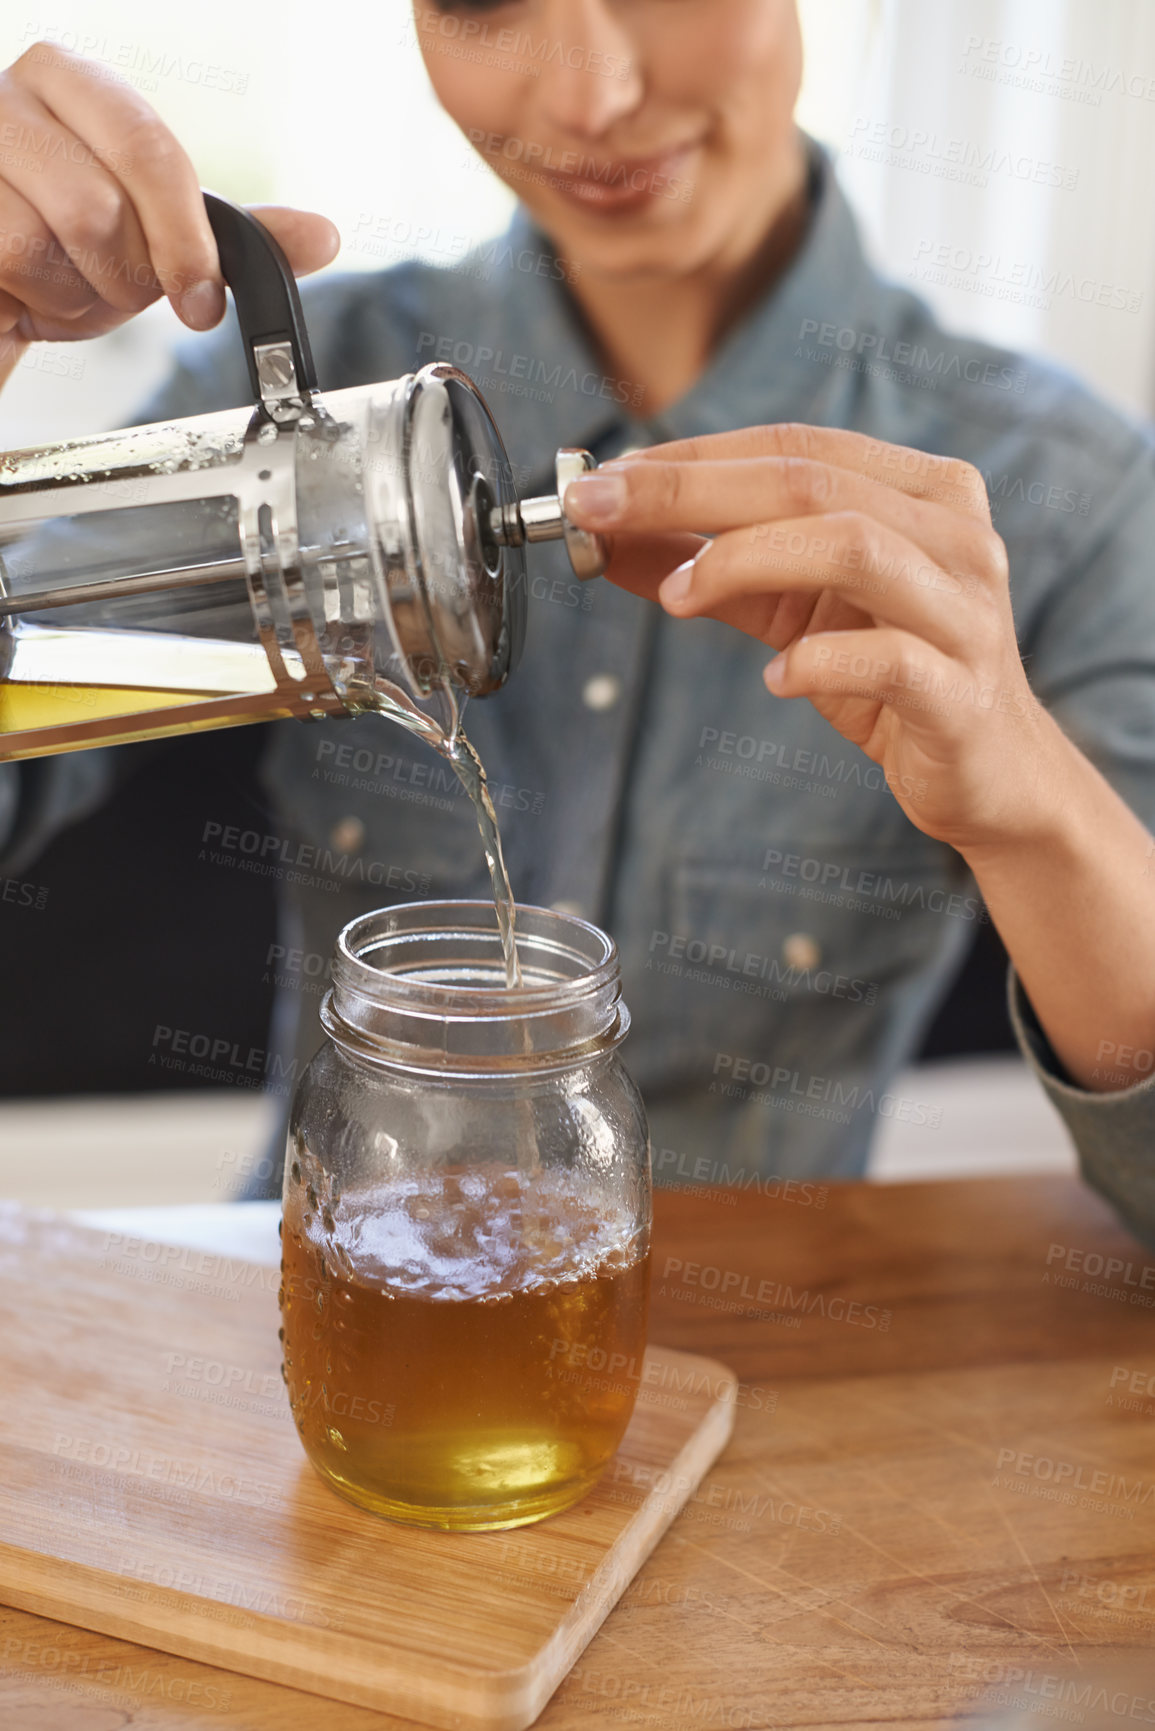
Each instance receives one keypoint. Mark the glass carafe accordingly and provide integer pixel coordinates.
(466, 1228)
(302, 556)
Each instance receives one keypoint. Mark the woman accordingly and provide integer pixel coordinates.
(791, 879)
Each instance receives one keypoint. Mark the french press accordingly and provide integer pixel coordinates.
(299, 557)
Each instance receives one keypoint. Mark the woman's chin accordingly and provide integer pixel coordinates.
(670, 248)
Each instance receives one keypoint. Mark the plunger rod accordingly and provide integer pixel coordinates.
(148, 582)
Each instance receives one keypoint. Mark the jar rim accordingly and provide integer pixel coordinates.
(422, 984)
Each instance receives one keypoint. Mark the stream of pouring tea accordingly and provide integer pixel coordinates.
(455, 748)
(452, 744)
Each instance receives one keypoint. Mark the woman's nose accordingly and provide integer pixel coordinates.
(591, 75)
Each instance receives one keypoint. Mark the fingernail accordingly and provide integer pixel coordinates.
(775, 674)
(203, 305)
(676, 587)
(596, 499)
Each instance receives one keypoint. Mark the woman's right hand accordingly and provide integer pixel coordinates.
(101, 211)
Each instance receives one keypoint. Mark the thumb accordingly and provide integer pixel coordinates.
(641, 562)
(309, 241)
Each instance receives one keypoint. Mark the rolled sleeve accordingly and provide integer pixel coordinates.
(1113, 1132)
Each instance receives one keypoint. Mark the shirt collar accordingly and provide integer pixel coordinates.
(762, 373)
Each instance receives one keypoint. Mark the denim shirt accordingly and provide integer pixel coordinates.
(786, 932)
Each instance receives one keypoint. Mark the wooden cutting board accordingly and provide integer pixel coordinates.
(152, 1486)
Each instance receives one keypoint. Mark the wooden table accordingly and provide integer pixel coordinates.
(941, 1487)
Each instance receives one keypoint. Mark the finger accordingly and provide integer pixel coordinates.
(730, 493)
(308, 240)
(801, 615)
(873, 568)
(641, 563)
(43, 328)
(945, 480)
(151, 169)
(32, 268)
(11, 312)
(887, 667)
(94, 236)
(12, 347)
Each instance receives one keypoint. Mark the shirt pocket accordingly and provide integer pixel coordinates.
(821, 927)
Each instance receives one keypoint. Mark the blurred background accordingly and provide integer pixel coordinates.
(937, 115)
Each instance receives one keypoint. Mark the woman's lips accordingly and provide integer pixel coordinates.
(627, 185)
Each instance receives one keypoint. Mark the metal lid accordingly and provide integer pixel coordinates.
(473, 588)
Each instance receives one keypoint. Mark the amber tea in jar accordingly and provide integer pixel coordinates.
(466, 1220)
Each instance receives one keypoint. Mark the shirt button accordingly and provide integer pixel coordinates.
(801, 951)
(602, 691)
(564, 907)
(348, 836)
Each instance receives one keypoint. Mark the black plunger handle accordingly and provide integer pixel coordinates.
(264, 289)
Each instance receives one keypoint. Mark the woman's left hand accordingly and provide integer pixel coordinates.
(875, 573)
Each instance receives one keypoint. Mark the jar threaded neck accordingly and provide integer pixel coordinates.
(421, 986)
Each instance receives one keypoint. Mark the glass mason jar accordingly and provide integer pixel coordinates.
(466, 1227)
